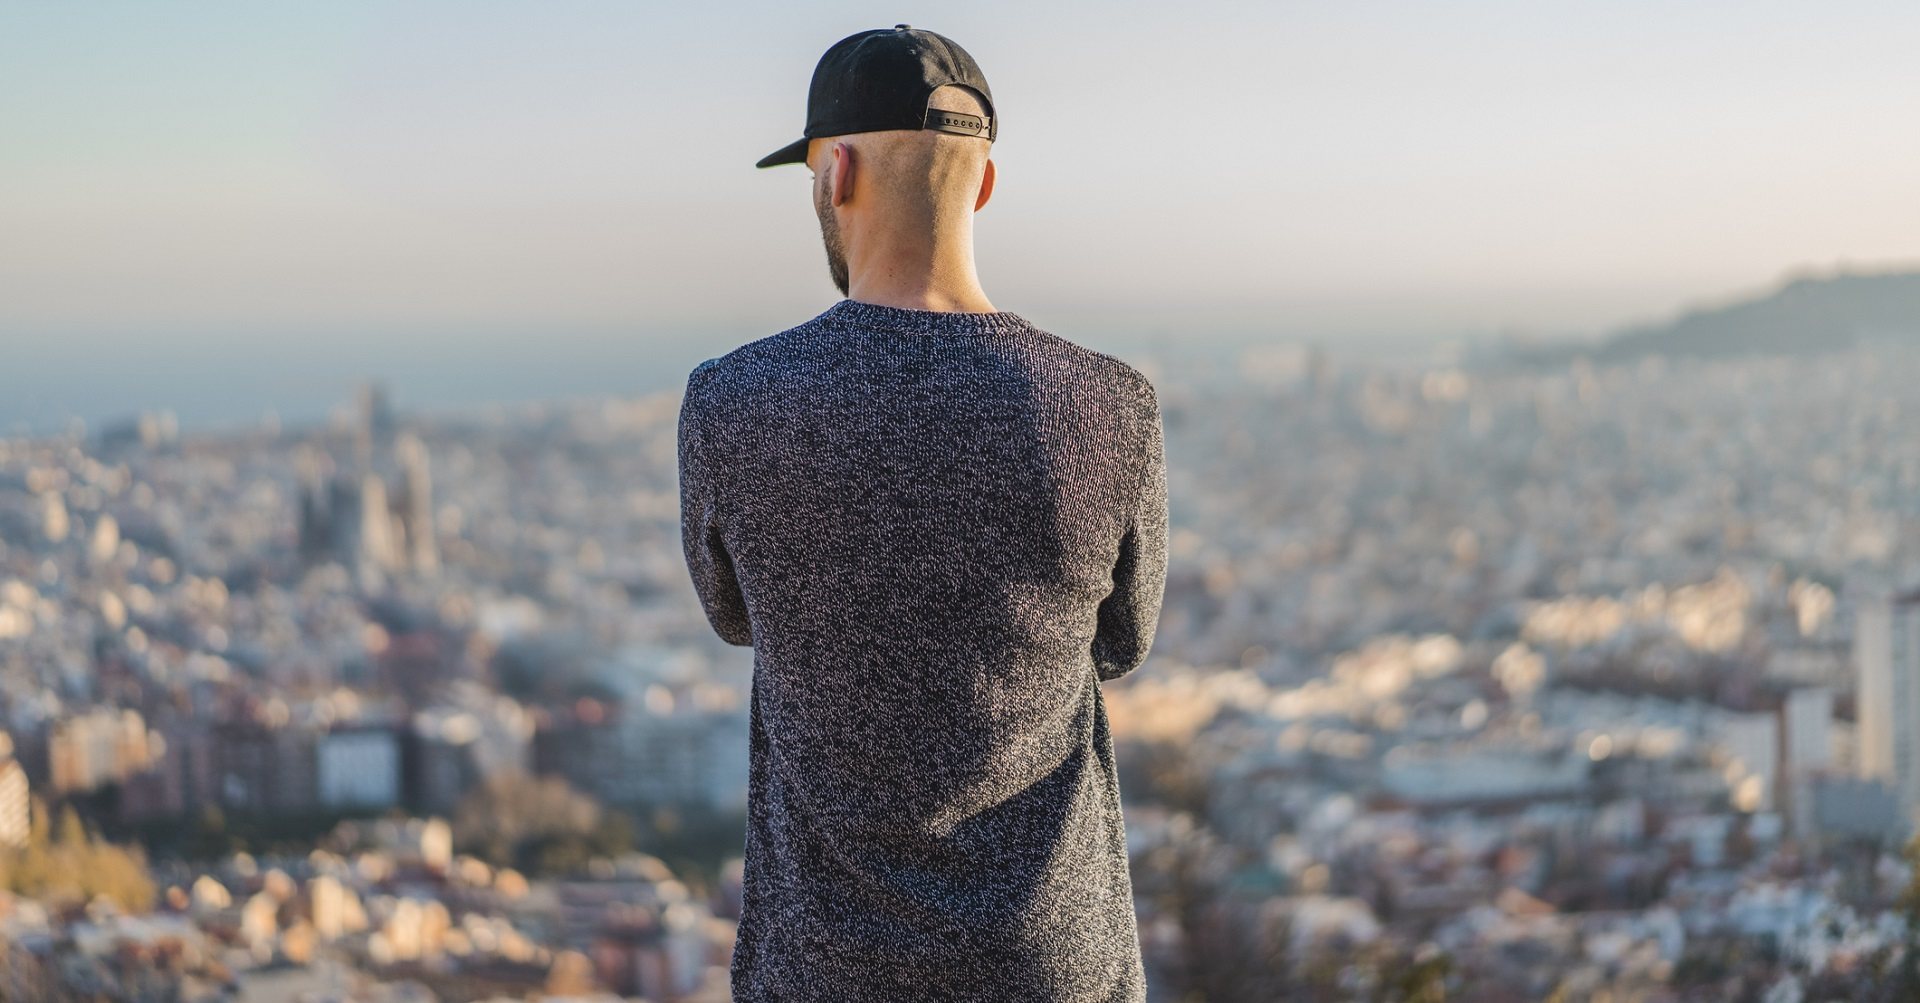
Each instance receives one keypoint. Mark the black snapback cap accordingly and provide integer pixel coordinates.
(881, 79)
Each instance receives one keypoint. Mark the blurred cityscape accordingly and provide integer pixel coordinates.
(1475, 680)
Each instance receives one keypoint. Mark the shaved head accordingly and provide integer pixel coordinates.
(918, 180)
(929, 177)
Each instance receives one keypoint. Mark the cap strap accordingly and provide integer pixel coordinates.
(959, 123)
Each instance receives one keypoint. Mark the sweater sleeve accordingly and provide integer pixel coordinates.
(1130, 613)
(708, 562)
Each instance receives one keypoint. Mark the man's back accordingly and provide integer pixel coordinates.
(939, 531)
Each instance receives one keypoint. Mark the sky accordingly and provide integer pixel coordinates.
(225, 208)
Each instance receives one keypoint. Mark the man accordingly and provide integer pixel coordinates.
(940, 528)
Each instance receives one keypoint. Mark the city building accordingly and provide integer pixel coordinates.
(1887, 657)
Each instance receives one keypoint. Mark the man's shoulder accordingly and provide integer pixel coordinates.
(745, 359)
(1125, 373)
(1121, 377)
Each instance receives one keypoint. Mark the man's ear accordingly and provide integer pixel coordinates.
(986, 187)
(843, 168)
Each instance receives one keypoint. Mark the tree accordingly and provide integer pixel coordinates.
(75, 866)
(538, 824)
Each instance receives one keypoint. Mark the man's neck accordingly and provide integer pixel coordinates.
(918, 277)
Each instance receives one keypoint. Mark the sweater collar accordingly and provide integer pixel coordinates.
(905, 320)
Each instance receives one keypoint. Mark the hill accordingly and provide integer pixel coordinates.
(1805, 315)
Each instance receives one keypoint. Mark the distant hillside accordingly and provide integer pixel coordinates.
(1805, 316)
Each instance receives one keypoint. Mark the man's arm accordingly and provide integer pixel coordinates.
(1129, 614)
(707, 559)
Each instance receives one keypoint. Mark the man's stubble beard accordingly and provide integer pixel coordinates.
(830, 236)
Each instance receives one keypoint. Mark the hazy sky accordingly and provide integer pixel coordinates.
(198, 179)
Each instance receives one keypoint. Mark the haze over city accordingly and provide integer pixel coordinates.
(227, 210)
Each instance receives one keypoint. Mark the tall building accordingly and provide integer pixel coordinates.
(416, 504)
(15, 820)
(374, 429)
(377, 544)
(364, 519)
(1809, 727)
(1886, 649)
(1807, 720)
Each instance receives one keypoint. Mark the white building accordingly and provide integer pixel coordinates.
(1886, 648)
(1809, 725)
(360, 768)
(1808, 721)
(15, 818)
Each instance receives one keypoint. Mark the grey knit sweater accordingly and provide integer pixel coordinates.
(939, 532)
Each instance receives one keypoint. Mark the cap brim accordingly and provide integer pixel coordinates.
(792, 153)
